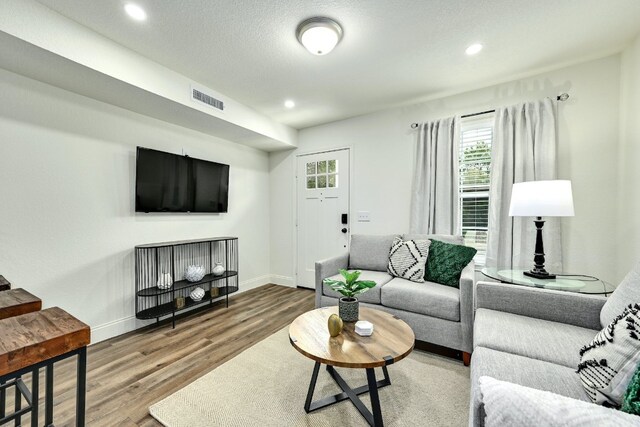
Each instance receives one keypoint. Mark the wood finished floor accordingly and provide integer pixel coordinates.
(128, 373)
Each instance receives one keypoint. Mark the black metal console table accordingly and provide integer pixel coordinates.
(156, 260)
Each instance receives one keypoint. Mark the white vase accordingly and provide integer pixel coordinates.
(218, 270)
(197, 294)
(164, 281)
(194, 273)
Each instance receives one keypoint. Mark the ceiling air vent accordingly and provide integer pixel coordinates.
(200, 96)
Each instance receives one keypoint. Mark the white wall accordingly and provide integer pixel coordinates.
(629, 176)
(67, 221)
(383, 145)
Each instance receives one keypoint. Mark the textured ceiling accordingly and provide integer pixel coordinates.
(393, 52)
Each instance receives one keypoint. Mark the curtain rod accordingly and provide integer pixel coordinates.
(562, 97)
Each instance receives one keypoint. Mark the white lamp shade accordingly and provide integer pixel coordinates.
(542, 198)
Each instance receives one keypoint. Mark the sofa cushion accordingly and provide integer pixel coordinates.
(447, 238)
(508, 404)
(627, 292)
(527, 336)
(520, 370)
(427, 298)
(370, 252)
(372, 295)
(609, 361)
(408, 259)
(446, 262)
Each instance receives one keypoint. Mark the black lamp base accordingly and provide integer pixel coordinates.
(538, 270)
(538, 275)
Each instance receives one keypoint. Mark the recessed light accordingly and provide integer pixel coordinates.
(319, 35)
(289, 103)
(473, 49)
(135, 12)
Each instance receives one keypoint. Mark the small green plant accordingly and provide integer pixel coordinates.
(351, 286)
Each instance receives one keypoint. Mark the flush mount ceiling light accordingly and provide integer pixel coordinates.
(473, 49)
(289, 103)
(319, 35)
(135, 12)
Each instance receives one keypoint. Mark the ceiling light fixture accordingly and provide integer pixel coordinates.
(319, 35)
(473, 49)
(135, 12)
(289, 103)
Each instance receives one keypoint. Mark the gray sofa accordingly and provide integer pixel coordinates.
(438, 314)
(532, 336)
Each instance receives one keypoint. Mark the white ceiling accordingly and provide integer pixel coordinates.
(393, 52)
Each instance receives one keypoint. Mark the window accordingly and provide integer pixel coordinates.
(475, 165)
(322, 174)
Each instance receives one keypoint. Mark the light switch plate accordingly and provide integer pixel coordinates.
(364, 216)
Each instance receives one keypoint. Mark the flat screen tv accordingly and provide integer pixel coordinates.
(168, 182)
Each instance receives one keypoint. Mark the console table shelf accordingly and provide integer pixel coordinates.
(157, 260)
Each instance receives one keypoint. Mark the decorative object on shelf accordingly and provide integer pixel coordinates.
(538, 199)
(351, 287)
(364, 328)
(194, 273)
(215, 291)
(164, 281)
(218, 270)
(197, 294)
(180, 302)
(335, 325)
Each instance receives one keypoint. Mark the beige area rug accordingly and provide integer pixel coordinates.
(266, 385)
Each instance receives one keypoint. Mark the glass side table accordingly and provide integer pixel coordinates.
(569, 283)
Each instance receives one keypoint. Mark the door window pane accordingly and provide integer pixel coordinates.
(322, 167)
(333, 181)
(311, 182)
(333, 166)
(322, 181)
(311, 168)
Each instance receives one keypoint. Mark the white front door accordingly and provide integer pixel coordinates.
(323, 209)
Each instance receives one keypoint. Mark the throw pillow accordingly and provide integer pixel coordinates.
(508, 404)
(609, 362)
(407, 259)
(446, 262)
(631, 400)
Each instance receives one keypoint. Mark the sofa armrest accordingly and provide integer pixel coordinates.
(557, 306)
(328, 267)
(467, 280)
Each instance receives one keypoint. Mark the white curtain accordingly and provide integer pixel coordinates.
(434, 194)
(524, 149)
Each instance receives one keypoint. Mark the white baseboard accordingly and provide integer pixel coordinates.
(277, 279)
(130, 323)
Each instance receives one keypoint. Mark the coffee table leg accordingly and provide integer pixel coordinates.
(375, 399)
(312, 387)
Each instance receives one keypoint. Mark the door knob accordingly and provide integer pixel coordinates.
(344, 230)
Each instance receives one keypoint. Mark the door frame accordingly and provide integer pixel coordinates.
(350, 150)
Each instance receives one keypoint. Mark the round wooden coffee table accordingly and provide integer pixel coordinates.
(392, 340)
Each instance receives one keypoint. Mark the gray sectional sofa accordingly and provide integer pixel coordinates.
(438, 314)
(532, 336)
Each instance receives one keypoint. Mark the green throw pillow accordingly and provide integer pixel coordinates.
(446, 262)
(631, 400)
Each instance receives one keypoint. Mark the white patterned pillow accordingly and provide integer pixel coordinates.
(408, 259)
(610, 360)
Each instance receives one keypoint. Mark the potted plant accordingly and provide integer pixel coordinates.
(350, 288)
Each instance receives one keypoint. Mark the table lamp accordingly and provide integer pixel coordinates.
(538, 199)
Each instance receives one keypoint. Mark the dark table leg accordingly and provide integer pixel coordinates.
(312, 387)
(375, 399)
(35, 396)
(48, 403)
(18, 406)
(81, 387)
